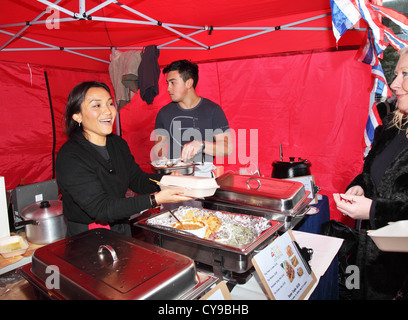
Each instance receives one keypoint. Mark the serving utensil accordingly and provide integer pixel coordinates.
(181, 224)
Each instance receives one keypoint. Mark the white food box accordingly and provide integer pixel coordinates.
(391, 238)
(195, 187)
(12, 246)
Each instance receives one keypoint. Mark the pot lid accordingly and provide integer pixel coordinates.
(293, 160)
(42, 210)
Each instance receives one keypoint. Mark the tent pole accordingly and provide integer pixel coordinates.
(184, 36)
(269, 30)
(163, 25)
(26, 27)
(31, 23)
(243, 38)
(59, 8)
(81, 8)
(52, 47)
(172, 41)
(117, 122)
(99, 7)
(147, 23)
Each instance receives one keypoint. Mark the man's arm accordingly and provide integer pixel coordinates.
(220, 147)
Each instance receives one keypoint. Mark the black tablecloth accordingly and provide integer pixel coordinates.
(328, 288)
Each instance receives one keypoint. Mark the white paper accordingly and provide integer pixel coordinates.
(324, 249)
(4, 221)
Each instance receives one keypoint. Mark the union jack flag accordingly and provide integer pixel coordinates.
(345, 14)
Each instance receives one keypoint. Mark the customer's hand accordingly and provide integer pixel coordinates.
(354, 206)
(171, 195)
(355, 190)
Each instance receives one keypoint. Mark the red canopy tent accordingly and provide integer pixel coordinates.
(70, 30)
(274, 67)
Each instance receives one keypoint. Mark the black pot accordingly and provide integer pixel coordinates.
(290, 169)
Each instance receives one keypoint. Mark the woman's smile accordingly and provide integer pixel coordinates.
(97, 115)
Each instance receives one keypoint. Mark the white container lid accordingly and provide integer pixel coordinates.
(391, 238)
(190, 182)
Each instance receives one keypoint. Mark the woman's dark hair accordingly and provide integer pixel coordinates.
(75, 99)
(187, 70)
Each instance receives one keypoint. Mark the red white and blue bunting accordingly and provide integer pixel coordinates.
(345, 15)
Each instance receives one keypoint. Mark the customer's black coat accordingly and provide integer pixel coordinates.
(93, 189)
(383, 273)
(391, 197)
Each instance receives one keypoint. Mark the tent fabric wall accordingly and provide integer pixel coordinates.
(314, 104)
(26, 136)
(26, 132)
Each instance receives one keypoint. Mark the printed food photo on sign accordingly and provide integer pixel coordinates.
(294, 261)
(290, 272)
(289, 251)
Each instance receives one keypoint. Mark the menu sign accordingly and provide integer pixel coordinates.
(219, 292)
(283, 271)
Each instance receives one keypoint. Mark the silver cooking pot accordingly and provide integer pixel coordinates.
(44, 222)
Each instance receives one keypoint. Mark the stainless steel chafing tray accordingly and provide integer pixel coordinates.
(284, 196)
(220, 257)
(102, 264)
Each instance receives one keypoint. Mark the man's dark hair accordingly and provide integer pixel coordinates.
(186, 69)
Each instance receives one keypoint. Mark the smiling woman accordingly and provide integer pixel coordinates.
(97, 115)
(95, 168)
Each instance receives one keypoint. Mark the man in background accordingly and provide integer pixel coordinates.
(190, 127)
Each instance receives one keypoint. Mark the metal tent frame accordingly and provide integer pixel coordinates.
(84, 14)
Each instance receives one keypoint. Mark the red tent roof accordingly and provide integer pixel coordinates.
(218, 29)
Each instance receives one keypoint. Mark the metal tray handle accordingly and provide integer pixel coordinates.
(111, 251)
(257, 180)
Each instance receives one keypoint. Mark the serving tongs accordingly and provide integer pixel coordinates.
(174, 216)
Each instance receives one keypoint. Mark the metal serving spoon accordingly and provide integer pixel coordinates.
(176, 219)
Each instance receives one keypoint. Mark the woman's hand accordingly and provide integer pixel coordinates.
(171, 195)
(354, 206)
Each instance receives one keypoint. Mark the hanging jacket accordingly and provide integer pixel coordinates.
(148, 74)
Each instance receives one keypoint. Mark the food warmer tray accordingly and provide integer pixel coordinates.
(102, 264)
(220, 257)
(269, 197)
(274, 194)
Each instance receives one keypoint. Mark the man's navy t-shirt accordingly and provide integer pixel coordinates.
(185, 125)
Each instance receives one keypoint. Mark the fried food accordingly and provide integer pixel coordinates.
(294, 261)
(289, 251)
(213, 223)
(290, 272)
